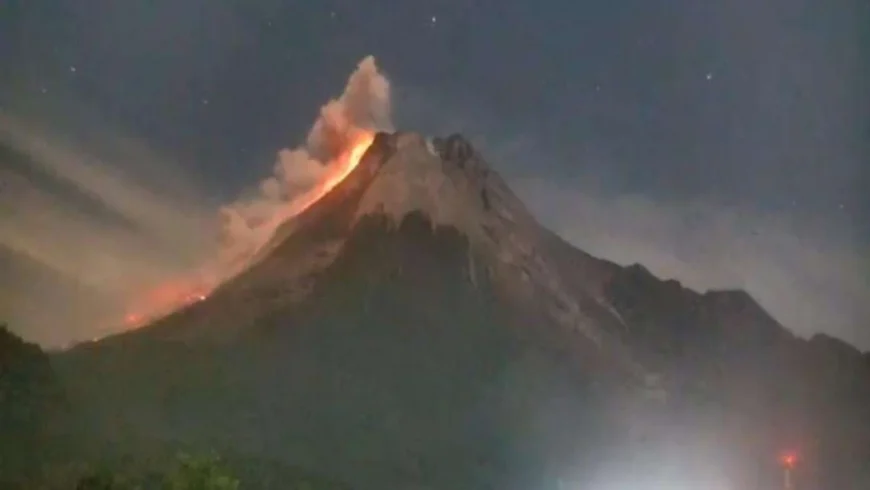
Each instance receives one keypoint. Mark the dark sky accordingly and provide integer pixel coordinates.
(725, 143)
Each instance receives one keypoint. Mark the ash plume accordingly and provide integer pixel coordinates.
(364, 106)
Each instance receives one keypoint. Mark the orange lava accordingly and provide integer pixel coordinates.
(338, 171)
(178, 293)
(164, 299)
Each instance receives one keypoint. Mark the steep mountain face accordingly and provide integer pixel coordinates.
(417, 326)
(728, 361)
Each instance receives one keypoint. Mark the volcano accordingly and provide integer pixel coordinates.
(420, 215)
(416, 326)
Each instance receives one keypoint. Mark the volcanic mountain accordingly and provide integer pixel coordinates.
(416, 326)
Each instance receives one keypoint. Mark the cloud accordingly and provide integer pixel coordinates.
(104, 233)
(810, 280)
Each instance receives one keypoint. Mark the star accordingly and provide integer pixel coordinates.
(72, 69)
(434, 19)
(204, 101)
(709, 76)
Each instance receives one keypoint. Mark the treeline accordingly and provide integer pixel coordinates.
(36, 452)
(33, 408)
(44, 444)
(189, 473)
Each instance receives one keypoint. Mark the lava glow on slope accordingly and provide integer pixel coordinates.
(179, 293)
(343, 166)
(164, 299)
(338, 170)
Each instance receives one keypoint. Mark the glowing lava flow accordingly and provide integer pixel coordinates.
(164, 299)
(179, 293)
(345, 165)
(338, 171)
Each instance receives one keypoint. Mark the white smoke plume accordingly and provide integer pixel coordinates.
(364, 106)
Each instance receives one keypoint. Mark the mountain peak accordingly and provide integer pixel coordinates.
(446, 180)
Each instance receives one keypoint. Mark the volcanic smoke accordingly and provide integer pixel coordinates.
(304, 174)
(338, 139)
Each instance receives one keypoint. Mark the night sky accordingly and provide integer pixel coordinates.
(724, 143)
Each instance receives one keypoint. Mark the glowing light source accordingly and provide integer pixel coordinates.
(165, 298)
(788, 459)
(132, 319)
(338, 171)
(183, 291)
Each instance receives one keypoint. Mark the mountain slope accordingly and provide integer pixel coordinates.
(417, 326)
(404, 373)
(381, 339)
(32, 410)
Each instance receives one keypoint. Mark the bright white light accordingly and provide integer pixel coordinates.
(650, 478)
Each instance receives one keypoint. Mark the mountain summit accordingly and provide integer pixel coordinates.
(416, 326)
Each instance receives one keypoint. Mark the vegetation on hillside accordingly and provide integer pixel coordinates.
(188, 473)
(32, 406)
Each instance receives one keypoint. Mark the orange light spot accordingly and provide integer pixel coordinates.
(163, 299)
(788, 459)
(132, 319)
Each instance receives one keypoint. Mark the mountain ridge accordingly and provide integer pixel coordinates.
(402, 173)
